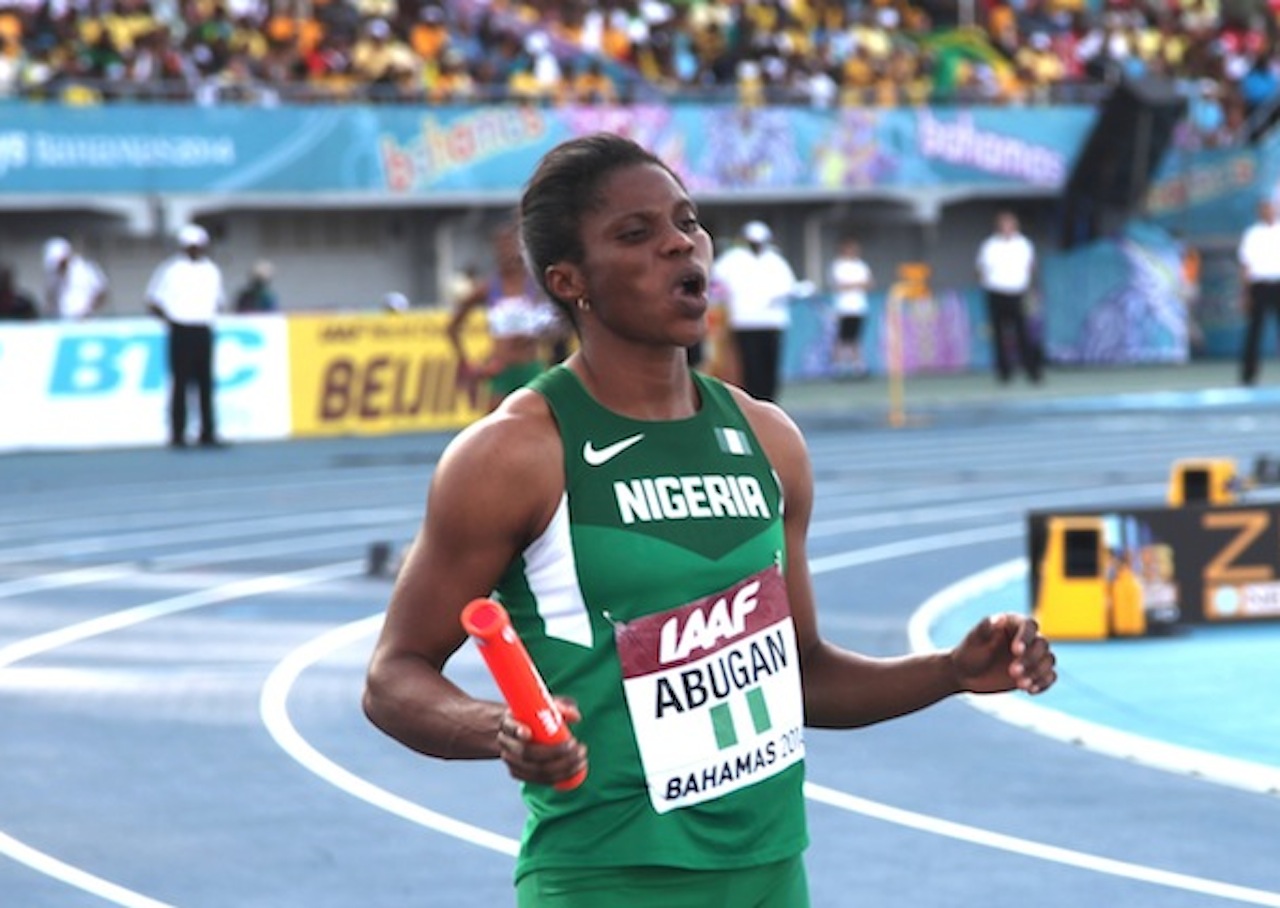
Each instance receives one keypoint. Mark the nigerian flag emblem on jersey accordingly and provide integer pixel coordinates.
(733, 441)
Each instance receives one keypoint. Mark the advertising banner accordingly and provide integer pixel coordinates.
(1207, 564)
(469, 150)
(1118, 300)
(379, 373)
(97, 384)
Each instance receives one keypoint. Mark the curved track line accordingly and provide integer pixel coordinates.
(1023, 712)
(274, 709)
(988, 839)
(74, 633)
(80, 879)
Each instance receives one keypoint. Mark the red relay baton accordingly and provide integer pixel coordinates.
(522, 686)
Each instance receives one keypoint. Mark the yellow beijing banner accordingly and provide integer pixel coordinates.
(379, 373)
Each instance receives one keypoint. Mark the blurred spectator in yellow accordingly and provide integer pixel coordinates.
(429, 35)
(450, 81)
(382, 61)
(591, 84)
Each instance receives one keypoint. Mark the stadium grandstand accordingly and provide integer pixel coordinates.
(810, 52)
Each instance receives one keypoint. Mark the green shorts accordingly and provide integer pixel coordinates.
(779, 885)
(513, 378)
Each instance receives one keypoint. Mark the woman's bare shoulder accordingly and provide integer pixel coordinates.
(521, 434)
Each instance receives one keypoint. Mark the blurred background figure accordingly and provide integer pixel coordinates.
(758, 283)
(186, 291)
(465, 284)
(1259, 258)
(257, 294)
(15, 303)
(74, 287)
(851, 279)
(1006, 267)
(523, 324)
(395, 301)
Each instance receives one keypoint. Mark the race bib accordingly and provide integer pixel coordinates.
(713, 689)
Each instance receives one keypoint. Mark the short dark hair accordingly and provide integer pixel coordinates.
(563, 189)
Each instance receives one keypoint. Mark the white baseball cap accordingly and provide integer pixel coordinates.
(55, 250)
(756, 232)
(192, 235)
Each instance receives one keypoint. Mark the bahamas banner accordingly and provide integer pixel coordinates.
(468, 151)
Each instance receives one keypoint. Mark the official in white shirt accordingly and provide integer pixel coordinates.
(1006, 269)
(1259, 256)
(758, 284)
(850, 278)
(74, 287)
(187, 291)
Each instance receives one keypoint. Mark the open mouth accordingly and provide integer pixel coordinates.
(694, 283)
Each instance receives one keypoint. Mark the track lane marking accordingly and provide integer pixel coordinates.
(274, 708)
(45, 863)
(1051, 723)
(1052, 853)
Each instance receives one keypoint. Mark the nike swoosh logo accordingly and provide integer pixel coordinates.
(597, 456)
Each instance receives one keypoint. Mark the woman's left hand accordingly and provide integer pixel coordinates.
(1004, 652)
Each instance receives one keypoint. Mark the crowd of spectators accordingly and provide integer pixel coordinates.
(817, 52)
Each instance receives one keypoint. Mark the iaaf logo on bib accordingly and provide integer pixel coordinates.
(705, 629)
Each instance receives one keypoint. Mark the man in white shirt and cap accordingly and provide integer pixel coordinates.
(74, 287)
(187, 291)
(1259, 256)
(1006, 267)
(758, 284)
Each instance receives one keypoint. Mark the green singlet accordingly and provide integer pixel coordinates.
(514, 377)
(655, 599)
(779, 885)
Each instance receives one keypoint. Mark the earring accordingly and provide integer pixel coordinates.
(583, 304)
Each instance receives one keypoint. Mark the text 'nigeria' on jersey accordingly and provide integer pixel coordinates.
(698, 497)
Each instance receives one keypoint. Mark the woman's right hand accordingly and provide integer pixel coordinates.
(541, 764)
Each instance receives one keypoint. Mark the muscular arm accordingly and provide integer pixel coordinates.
(494, 490)
(844, 689)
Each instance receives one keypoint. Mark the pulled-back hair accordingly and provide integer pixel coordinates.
(563, 189)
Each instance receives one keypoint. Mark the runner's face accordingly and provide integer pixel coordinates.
(647, 258)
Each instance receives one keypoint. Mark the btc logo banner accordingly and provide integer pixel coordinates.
(104, 383)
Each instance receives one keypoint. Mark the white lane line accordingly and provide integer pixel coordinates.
(1026, 713)
(74, 577)
(239, 589)
(990, 506)
(228, 529)
(988, 839)
(43, 643)
(274, 708)
(915, 546)
(80, 879)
